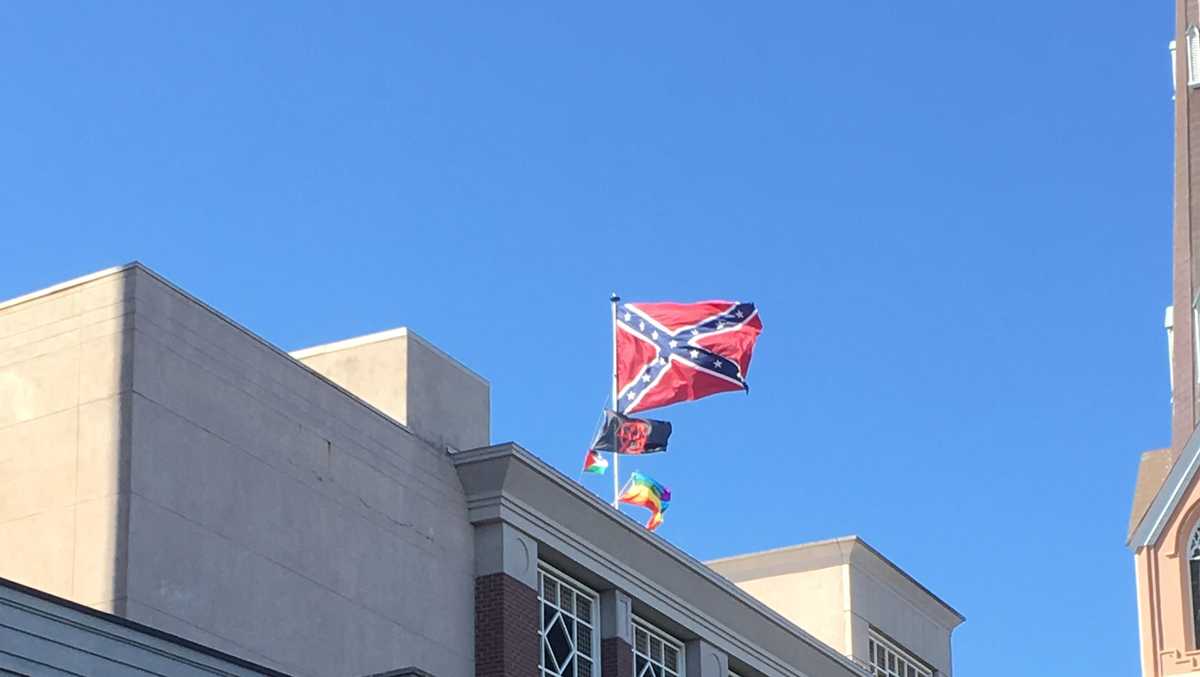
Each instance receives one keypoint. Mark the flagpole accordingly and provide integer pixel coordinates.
(616, 473)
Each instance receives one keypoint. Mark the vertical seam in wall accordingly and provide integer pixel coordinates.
(124, 446)
(847, 611)
(75, 474)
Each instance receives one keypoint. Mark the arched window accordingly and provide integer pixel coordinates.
(1193, 555)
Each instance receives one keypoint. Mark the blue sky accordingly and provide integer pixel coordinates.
(954, 216)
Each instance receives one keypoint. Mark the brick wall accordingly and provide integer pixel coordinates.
(616, 658)
(506, 627)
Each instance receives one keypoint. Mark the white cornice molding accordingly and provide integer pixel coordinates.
(499, 502)
(63, 286)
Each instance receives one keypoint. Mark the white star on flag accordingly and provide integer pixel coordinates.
(654, 335)
(740, 314)
(694, 354)
(673, 343)
(628, 316)
(717, 364)
(646, 378)
(641, 326)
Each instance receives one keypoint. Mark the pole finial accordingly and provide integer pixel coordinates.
(614, 298)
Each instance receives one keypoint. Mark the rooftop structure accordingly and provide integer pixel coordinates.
(341, 510)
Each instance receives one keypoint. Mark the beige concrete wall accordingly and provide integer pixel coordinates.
(815, 600)
(64, 390)
(276, 517)
(406, 377)
(876, 599)
(160, 461)
(841, 588)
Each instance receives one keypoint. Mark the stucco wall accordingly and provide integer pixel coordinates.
(274, 515)
(874, 600)
(410, 380)
(63, 388)
(267, 512)
(1165, 612)
(815, 600)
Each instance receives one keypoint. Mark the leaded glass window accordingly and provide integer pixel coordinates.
(655, 653)
(889, 660)
(568, 626)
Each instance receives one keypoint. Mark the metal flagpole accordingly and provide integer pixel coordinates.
(616, 473)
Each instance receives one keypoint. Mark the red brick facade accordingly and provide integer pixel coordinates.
(616, 658)
(506, 627)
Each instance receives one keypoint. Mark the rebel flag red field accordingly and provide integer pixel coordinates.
(676, 352)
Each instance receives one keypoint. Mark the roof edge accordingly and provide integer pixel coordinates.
(380, 336)
(140, 627)
(1167, 498)
(73, 282)
(515, 451)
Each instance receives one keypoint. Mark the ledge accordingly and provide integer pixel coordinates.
(506, 483)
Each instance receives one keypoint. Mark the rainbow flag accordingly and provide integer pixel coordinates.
(594, 462)
(644, 491)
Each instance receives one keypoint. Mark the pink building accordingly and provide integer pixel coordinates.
(1164, 528)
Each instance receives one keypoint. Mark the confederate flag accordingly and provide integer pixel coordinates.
(675, 352)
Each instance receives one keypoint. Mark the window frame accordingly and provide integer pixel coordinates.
(902, 660)
(1191, 52)
(654, 632)
(577, 588)
(1192, 559)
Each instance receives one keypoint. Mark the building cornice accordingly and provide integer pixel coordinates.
(506, 483)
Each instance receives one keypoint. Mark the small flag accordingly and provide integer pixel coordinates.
(626, 435)
(643, 491)
(594, 463)
(675, 352)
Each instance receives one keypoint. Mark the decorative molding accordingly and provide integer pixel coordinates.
(498, 499)
(1174, 658)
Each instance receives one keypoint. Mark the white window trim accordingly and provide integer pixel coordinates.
(1191, 52)
(921, 668)
(594, 621)
(662, 635)
(1195, 339)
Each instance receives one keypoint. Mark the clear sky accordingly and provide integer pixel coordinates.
(954, 216)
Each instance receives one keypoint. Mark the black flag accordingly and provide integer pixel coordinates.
(626, 435)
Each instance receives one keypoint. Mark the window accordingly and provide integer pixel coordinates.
(1195, 336)
(568, 627)
(889, 660)
(655, 653)
(1192, 42)
(1193, 555)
